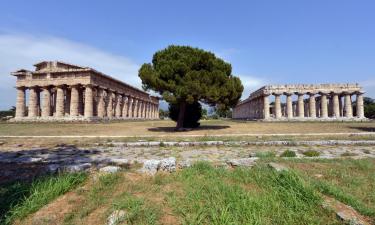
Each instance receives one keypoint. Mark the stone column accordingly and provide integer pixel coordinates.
(124, 106)
(277, 106)
(348, 106)
(139, 109)
(266, 107)
(110, 104)
(336, 105)
(130, 106)
(289, 106)
(67, 101)
(118, 106)
(341, 106)
(60, 110)
(324, 108)
(135, 108)
(300, 106)
(144, 109)
(89, 102)
(80, 102)
(360, 107)
(312, 106)
(74, 101)
(20, 103)
(101, 104)
(46, 107)
(33, 102)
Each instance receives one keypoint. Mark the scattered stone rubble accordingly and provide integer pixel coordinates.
(116, 217)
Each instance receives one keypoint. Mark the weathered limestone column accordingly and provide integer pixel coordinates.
(101, 104)
(336, 105)
(118, 106)
(74, 101)
(80, 102)
(312, 106)
(67, 101)
(33, 102)
(46, 108)
(139, 109)
(110, 104)
(341, 106)
(125, 106)
(324, 107)
(277, 106)
(135, 108)
(60, 110)
(300, 105)
(89, 102)
(130, 106)
(266, 107)
(348, 106)
(144, 109)
(20, 103)
(360, 107)
(289, 105)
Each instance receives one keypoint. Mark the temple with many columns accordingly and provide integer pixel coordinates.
(322, 102)
(62, 91)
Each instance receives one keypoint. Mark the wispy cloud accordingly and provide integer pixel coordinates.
(22, 51)
(251, 84)
(369, 87)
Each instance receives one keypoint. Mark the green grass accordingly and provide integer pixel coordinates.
(311, 153)
(100, 193)
(244, 196)
(348, 180)
(18, 200)
(267, 154)
(288, 153)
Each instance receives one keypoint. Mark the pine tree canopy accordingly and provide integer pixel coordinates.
(187, 74)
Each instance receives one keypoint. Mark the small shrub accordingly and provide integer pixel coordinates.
(161, 144)
(288, 153)
(311, 153)
(366, 151)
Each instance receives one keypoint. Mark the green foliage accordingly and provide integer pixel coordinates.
(183, 74)
(288, 153)
(21, 199)
(5, 113)
(370, 111)
(193, 114)
(163, 114)
(311, 153)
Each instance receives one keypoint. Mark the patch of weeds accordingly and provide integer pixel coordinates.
(162, 144)
(311, 153)
(268, 154)
(329, 189)
(348, 154)
(288, 153)
(138, 210)
(19, 200)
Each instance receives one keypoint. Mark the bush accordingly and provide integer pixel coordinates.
(193, 114)
(311, 153)
(288, 153)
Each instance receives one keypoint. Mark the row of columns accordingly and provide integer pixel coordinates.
(330, 105)
(87, 101)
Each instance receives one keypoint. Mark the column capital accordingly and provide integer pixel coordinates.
(288, 93)
(360, 92)
(300, 93)
(21, 88)
(311, 93)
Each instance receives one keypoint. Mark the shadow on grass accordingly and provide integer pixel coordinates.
(364, 129)
(19, 171)
(172, 129)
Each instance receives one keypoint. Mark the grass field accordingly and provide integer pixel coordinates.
(203, 194)
(165, 128)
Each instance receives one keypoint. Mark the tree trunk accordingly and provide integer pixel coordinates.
(181, 116)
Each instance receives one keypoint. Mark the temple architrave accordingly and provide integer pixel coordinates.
(312, 102)
(62, 91)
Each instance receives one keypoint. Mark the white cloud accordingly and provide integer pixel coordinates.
(22, 51)
(250, 84)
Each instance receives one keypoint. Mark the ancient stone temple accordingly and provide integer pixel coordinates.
(303, 102)
(61, 91)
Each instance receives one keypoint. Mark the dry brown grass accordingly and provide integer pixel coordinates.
(165, 128)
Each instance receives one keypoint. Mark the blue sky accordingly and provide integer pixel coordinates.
(267, 42)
